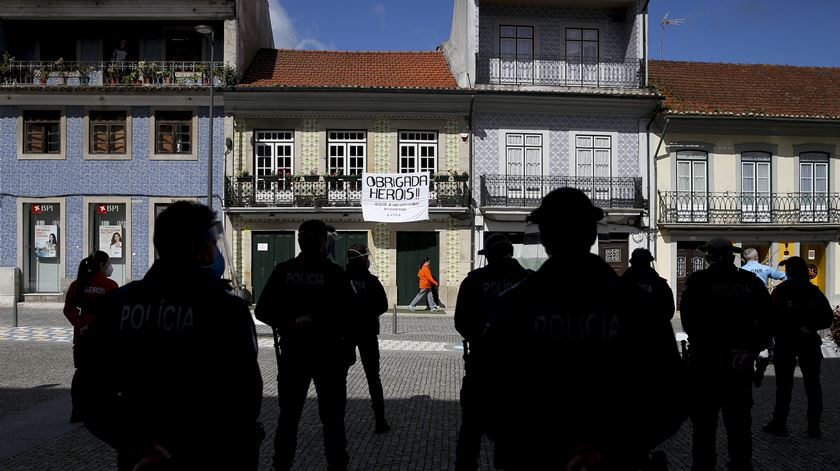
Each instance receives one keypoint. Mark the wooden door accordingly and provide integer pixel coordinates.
(615, 253)
(689, 260)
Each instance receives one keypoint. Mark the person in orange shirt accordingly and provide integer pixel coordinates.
(426, 283)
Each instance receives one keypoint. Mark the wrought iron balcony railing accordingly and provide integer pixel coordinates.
(324, 192)
(560, 71)
(748, 208)
(527, 191)
(114, 74)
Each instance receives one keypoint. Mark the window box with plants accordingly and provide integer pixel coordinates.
(84, 70)
(243, 177)
(312, 177)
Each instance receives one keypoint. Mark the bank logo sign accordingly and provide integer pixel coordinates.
(395, 197)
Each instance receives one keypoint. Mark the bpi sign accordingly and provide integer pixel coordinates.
(395, 197)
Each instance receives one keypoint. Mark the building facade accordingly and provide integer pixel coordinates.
(307, 124)
(561, 99)
(105, 121)
(748, 153)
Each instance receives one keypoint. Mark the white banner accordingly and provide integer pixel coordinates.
(110, 241)
(395, 197)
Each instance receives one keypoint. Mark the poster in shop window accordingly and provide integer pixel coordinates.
(46, 241)
(110, 240)
(395, 197)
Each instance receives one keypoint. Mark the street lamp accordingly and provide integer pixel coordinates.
(208, 33)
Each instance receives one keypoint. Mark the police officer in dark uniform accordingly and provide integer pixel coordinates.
(175, 380)
(583, 368)
(305, 300)
(641, 274)
(371, 302)
(477, 297)
(725, 312)
(800, 311)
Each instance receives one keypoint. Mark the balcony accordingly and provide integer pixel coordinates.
(504, 191)
(114, 74)
(325, 192)
(737, 209)
(559, 71)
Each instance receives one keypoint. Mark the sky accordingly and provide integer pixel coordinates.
(796, 32)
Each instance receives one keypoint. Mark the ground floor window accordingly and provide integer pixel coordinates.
(42, 233)
(107, 233)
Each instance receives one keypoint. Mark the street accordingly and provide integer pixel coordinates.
(421, 374)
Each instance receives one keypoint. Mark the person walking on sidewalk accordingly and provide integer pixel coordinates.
(427, 281)
(81, 304)
(800, 310)
(161, 341)
(477, 298)
(305, 300)
(726, 313)
(371, 302)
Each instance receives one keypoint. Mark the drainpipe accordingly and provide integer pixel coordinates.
(652, 202)
(473, 177)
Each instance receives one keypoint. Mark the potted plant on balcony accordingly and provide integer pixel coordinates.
(59, 71)
(333, 176)
(6, 68)
(83, 69)
(441, 177)
(147, 72)
(460, 177)
(312, 177)
(228, 76)
(243, 176)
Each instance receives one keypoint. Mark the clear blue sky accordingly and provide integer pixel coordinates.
(799, 32)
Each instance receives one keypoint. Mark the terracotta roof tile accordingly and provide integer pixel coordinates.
(706, 88)
(349, 69)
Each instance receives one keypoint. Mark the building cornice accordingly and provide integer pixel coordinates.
(768, 126)
(102, 99)
(118, 10)
(617, 105)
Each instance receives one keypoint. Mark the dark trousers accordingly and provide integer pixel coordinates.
(468, 447)
(809, 362)
(330, 378)
(722, 390)
(369, 352)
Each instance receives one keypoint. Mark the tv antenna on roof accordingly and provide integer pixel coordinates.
(664, 23)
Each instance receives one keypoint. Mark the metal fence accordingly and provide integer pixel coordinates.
(749, 208)
(116, 74)
(560, 71)
(322, 192)
(527, 191)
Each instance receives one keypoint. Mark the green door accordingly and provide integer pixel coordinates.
(343, 241)
(412, 248)
(268, 249)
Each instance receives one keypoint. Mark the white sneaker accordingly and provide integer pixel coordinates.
(411, 308)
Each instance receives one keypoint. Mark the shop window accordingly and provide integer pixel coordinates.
(107, 233)
(42, 233)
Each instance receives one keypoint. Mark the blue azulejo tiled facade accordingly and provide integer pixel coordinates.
(67, 190)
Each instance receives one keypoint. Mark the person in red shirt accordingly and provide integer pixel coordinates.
(80, 304)
(426, 283)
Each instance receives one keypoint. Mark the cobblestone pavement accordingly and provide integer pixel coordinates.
(421, 374)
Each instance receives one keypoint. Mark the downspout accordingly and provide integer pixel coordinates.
(648, 169)
(472, 194)
(653, 157)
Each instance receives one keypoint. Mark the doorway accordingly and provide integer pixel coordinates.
(412, 248)
(267, 250)
(343, 241)
(689, 260)
(615, 253)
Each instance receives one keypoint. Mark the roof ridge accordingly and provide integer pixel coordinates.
(332, 51)
(830, 67)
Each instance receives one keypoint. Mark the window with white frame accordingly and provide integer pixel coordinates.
(755, 186)
(524, 164)
(593, 157)
(273, 154)
(692, 185)
(813, 186)
(346, 152)
(418, 151)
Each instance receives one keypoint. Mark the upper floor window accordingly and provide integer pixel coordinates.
(581, 43)
(516, 42)
(813, 186)
(418, 151)
(593, 155)
(107, 132)
(346, 152)
(755, 186)
(173, 131)
(691, 171)
(183, 45)
(524, 166)
(273, 153)
(42, 132)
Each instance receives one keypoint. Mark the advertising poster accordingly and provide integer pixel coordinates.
(111, 240)
(395, 197)
(46, 241)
